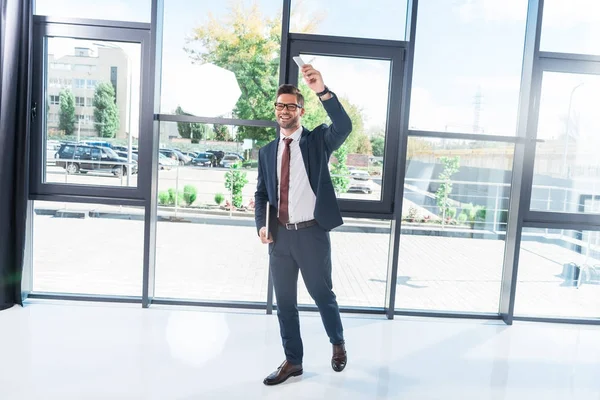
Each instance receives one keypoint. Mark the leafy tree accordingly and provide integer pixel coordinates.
(222, 133)
(339, 170)
(363, 145)
(194, 130)
(316, 115)
(67, 112)
(235, 180)
(247, 43)
(451, 166)
(378, 145)
(106, 113)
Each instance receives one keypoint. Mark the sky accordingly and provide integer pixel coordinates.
(463, 47)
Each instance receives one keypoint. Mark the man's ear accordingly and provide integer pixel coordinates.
(302, 111)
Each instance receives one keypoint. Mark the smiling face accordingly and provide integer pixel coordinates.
(288, 120)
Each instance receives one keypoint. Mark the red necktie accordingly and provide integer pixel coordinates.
(284, 185)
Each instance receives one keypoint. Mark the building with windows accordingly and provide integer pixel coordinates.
(81, 71)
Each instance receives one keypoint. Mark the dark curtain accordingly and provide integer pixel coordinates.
(15, 55)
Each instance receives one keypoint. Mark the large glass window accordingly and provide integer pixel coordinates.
(384, 19)
(559, 274)
(221, 59)
(467, 66)
(454, 216)
(87, 249)
(207, 245)
(116, 10)
(359, 278)
(357, 167)
(110, 123)
(567, 167)
(571, 26)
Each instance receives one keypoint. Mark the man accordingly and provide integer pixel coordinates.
(293, 176)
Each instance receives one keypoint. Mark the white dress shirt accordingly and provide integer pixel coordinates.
(301, 199)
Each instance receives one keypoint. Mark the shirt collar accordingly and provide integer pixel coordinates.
(294, 136)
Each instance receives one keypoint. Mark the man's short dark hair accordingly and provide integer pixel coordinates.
(291, 89)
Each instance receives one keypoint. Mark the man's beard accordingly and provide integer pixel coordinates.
(290, 123)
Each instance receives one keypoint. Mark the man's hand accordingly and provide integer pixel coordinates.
(313, 78)
(263, 236)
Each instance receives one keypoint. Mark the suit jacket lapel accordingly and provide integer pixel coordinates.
(273, 167)
(304, 148)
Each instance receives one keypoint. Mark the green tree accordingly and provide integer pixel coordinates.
(247, 43)
(222, 133)
(316, 115)
(67, 112)
(451, 166)
(235, 180)
(106, 113)
(339, 170)
(195, 131)
(378, 145)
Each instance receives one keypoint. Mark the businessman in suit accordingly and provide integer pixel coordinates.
(293, 176)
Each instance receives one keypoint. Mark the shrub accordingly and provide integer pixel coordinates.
(235, 180)
(219, 198)
(190, 193)
(163, 198)
(172, 196)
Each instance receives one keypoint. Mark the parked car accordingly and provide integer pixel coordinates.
(218, 156)
(83, 158)
(360, 181)
(205, 159)
(236, 154)
(230, 160)
(97, 143)
(176, 155)
(134, 156)
(165, 162)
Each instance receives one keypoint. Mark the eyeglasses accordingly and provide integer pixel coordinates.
(289, 106)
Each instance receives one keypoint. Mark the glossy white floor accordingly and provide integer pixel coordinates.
(112, 351)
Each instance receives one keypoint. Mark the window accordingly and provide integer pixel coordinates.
(567, 167)
(359, 278)
(131, 10)
(87, 249)
(115, 124)
(571, 27)
(60, 66)
(559, 274)
(454, 216)
(383, 19)
(84, 68)
(194, 261)
(467, 67)
(223, 69)
(360, 175)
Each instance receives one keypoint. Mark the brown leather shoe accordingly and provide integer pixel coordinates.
(284, 371)
(339, 359)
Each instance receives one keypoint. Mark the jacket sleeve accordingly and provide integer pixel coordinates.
(341, 125)
(260, 196)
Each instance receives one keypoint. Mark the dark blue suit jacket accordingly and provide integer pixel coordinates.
(316, 146)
